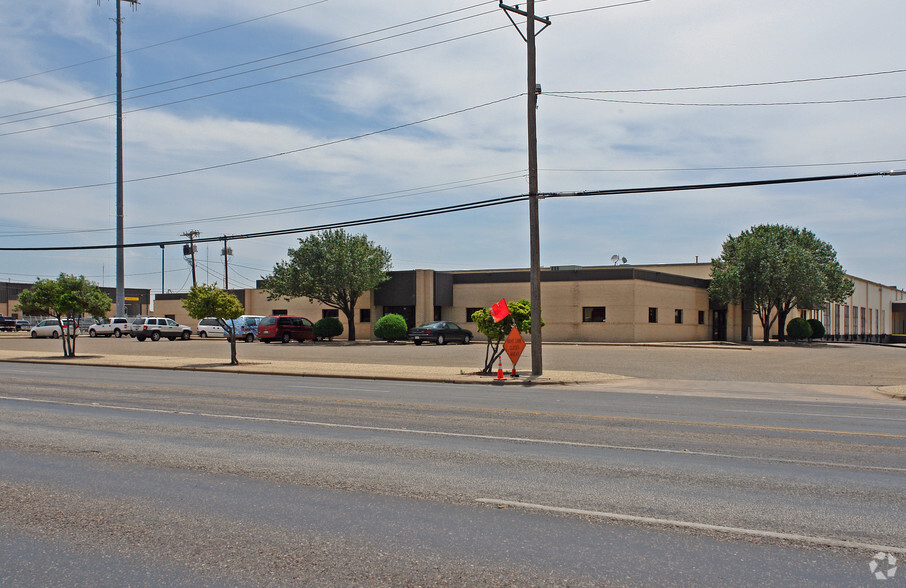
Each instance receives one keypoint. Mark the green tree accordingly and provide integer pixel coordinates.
(204, 301)
(332, 267)
(520, 317)
(68, 297)
(776, 268)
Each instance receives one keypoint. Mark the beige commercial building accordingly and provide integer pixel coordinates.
(643, 303)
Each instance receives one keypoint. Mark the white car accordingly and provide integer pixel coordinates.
(116, 327)
(210, 327)
(49, 328)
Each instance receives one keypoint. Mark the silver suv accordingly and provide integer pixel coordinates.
(151, 327)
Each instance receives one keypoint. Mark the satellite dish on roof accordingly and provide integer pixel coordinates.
(615, 259)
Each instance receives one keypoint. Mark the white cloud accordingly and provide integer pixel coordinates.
(649, 45)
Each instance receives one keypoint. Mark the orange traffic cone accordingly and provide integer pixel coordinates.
(499, 370)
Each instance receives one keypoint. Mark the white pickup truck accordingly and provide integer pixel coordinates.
(116, 327)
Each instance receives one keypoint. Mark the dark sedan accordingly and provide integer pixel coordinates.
(441, 332)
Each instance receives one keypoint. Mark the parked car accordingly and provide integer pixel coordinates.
(210, 327)
(7, 323)
(50, 328)
(115, 327)
(22, 325)
(154, 328)
(284, 328)
(441, 332)
(246, 327)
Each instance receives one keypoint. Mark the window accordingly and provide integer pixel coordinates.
(594, 314)
(469, 312)
(438, 315)
(678, 316)
(701, 317)
(279, 311)
(364, 315)
(652, 315)
(330, 312)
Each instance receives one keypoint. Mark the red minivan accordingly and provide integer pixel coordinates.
(284, 328)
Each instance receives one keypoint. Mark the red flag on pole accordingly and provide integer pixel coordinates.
(500, 311)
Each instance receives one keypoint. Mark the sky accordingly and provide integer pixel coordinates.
(244, 117)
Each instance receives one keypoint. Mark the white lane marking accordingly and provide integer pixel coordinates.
(425, 432)
(808, 414)
(824, 541)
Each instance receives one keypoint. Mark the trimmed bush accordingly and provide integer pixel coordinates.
(390, 327)
(817, 326)
(798, 328)
(327, 328)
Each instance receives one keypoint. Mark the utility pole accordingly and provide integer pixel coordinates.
(162, 270)
(533, 89)
(189, 250)
(227, 252)
(120, 231)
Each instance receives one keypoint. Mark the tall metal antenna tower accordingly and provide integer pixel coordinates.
(120, 233)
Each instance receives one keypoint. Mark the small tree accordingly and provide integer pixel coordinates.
(204, 301)
(520, 317)
(390, 327)
(799, 328)
(332, 267)
(328, 328)
(818, 330)
(68, 297)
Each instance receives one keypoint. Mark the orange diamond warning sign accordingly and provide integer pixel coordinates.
(514, 345)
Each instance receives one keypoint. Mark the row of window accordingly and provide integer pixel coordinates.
(598, 314)
(364, 313)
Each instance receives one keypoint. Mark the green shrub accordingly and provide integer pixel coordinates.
(817, 326)
(390, 327)
(798, 328)
(328, 328)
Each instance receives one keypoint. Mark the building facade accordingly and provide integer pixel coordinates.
(645, 303)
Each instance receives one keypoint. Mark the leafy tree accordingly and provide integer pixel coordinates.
(520, 317)
(68, 297)
(390, 327)
(327, 328)
(204, 301)
(332, 267)
(775, 268)
(799, 328)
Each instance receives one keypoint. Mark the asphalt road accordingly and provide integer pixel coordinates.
(128, 476)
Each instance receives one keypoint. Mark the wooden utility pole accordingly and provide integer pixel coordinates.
(534, 239)
(227, 252)
(190, 250)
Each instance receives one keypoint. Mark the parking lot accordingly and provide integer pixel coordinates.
(826, 364)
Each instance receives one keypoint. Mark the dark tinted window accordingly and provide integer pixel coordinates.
(268, 320)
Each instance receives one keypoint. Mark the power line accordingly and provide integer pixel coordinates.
(256, 85)
(726, 104)
(272, 155)
(740, 85)
(161, 43)
(471, 206)
(379, 197)
(252, 62)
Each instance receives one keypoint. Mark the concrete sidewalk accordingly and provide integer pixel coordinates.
(419, 373)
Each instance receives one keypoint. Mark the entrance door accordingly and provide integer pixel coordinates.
(719, 325)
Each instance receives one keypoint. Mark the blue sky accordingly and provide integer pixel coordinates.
(782, 90)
